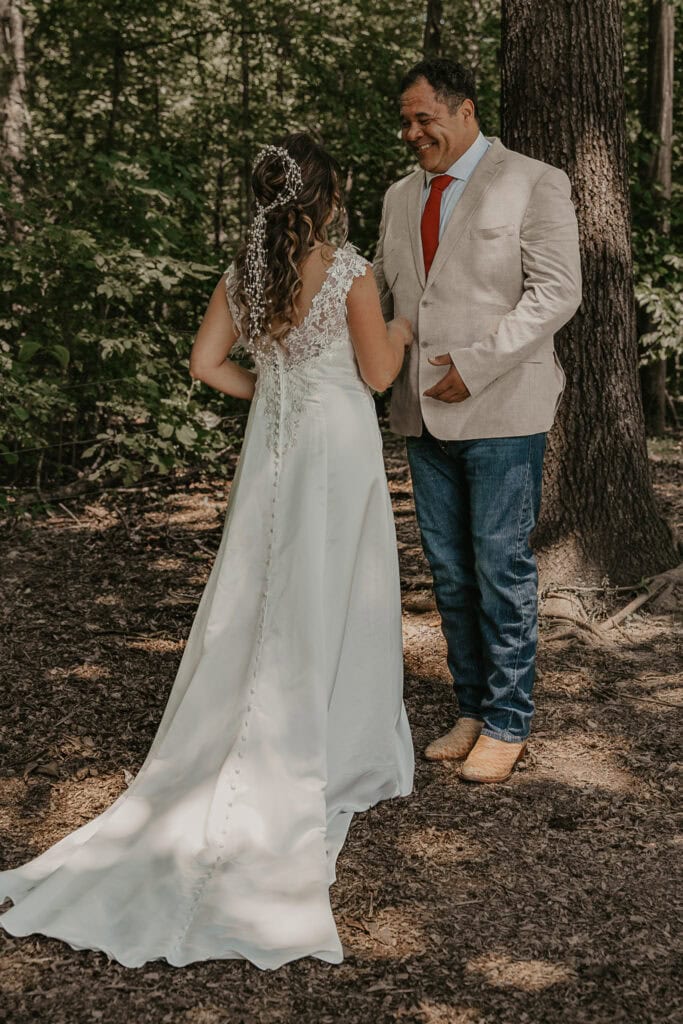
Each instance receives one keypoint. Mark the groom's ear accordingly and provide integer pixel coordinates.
(467, 110)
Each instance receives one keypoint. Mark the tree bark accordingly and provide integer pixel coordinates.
(431, 46)
(13, 114)
(117, 72)
(563, 103)
(661, 93)
(245, 75)
(653, 389)
(659, 122)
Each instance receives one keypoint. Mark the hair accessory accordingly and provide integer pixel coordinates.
(255, 258)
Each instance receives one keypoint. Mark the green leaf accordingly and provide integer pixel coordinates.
(62, 354)
(28, 350)
(187, 435)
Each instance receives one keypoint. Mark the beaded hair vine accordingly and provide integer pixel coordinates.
(255, 259)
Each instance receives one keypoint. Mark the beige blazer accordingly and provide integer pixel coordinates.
(505, 278)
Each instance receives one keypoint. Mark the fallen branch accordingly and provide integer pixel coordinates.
(637, 602)
(70, 513)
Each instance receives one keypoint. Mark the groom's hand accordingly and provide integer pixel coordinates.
(451, 387)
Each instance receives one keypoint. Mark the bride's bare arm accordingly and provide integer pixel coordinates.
(379, 346)
(209, 357)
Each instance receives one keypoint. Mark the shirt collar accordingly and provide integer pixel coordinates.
(464, 165)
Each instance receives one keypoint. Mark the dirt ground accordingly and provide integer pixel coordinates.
(550, 898)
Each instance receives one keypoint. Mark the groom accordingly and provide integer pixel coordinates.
(479, 249)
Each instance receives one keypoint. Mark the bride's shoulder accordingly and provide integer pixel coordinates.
(351, 259)
(231, 278)
(351, 250)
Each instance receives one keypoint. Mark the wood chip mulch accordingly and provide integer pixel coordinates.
(550, 898)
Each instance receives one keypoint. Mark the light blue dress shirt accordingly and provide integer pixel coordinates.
(461, 170)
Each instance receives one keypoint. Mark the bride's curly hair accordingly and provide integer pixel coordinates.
(291, 230)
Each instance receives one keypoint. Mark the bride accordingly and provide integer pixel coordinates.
(286, 715)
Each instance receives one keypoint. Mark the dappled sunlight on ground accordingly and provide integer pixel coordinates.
(580, 760)
(546, 900)
(158, 644)
(442, 846)
(425, 647)
(37, 813)
(166, 564)
(499, 969)
(427, 1012)
(389, 935)
(87, 672)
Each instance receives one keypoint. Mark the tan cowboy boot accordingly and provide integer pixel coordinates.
(492, 760)
(456, 744)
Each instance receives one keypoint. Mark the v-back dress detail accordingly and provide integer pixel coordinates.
(286, 715)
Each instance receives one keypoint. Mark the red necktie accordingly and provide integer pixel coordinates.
(429, 227)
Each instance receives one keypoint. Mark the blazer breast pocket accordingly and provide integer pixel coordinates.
(493, 232)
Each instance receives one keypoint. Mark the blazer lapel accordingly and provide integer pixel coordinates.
(414, 212)
(474, 191)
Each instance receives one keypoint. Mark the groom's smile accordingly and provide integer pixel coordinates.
(436, 132)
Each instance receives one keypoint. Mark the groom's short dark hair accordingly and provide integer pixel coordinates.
(452, 82)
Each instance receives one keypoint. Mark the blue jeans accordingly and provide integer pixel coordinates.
(477, 502)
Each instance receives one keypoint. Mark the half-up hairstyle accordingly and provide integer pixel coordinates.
(291, 230)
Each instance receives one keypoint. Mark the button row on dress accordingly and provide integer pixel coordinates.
(199, 888)
(245, 724)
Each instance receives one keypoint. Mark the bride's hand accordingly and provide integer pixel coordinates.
(404, 328)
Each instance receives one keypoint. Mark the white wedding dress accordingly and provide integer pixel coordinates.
(286, 715)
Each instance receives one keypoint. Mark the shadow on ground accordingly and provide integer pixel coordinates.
(546, 899)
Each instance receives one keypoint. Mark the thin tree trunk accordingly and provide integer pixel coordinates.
(431, 46)
(659, 121)
(13, 115)
(661, 93)
(218, 204)
(246, 127)
(563, 102)
(653, 389)
(118, 63)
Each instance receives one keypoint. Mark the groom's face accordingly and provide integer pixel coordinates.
(433, 132)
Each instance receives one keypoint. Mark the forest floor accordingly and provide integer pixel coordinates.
(547, 899)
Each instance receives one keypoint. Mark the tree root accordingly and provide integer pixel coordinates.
(579, 629)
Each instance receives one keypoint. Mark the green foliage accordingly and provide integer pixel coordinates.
(143, 124)
(144, 120)
(102, 302)
(657, 222)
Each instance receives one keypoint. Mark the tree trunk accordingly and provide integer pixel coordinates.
(246, 118)
(219, 198)
(431, 46)
(660, 92)
(659, 122)
(118, 63)
(653, 390)
(13, 115)
(563, 102)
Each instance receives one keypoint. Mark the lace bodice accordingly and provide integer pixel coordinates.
(287, 372)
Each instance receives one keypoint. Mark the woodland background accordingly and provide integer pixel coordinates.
(128, 136)
(127, 131)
